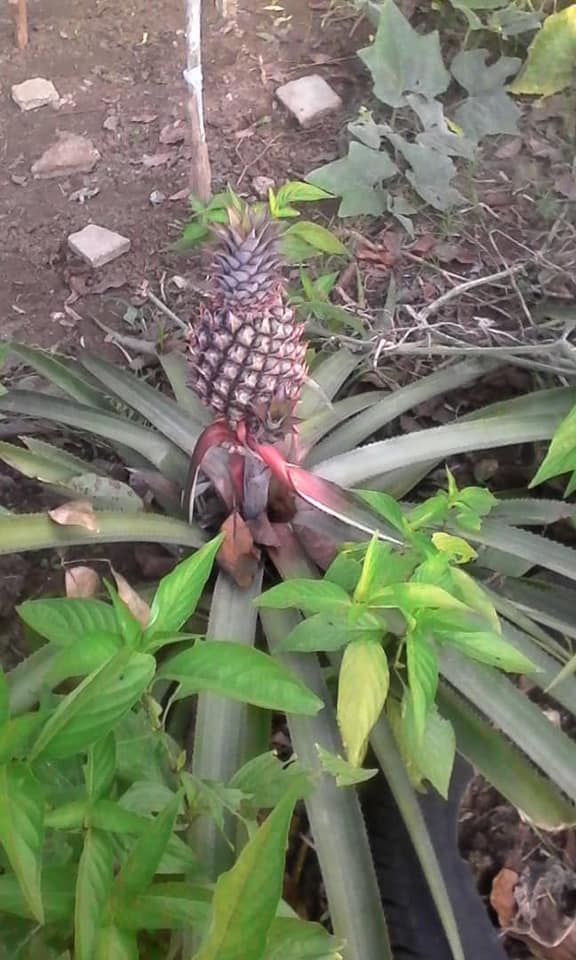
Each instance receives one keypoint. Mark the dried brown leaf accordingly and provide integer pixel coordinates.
(238, 556)
(136, 605)
(81, 582)
(502, 896)
(75, 513)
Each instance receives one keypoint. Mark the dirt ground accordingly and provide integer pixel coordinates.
(118, 69)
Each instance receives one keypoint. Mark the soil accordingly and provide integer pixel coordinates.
(118, 70)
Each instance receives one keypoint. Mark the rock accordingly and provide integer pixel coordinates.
(308, 99)
(111, 122)
(70, 154)
(98, 245)
(34, 93)
(262, 185)
(156, 198)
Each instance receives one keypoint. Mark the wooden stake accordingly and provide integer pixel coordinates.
(21, 22)
(200, 175)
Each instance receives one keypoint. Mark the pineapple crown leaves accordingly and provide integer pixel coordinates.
(248, 248)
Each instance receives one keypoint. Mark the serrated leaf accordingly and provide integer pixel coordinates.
(22, 831)
(551, 60)
(63, 622)
(105, 493)
(318, 237)
(143, 860)
(95, 706)
(356, 178)
(34, 465)
(312, 596)
(402, 60)
(422, 666)
(247, 896)
(363, 684)
(345, 773)
(93, 885)
(179, 592)
(502, 764)
(239, 673)
(100, 767)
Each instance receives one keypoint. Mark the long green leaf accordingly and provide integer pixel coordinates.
(317, 426)
(93, 886)
(150, 403)
(328, 377)
(221, 724)
(22, 831)
(144, 859)
(59, 372)
(62, 621)
(364, 425)
(95, 706)
(179, 591)
(393, 768)
(247, 896)
(564, 688)
(360, 466)
(335, 817)
(528, 546)
(520, 719)
(240, 673)
(504, 766)
(57, 895)
(176, 369)
(155, 448)
(20, 533)
(29, 679)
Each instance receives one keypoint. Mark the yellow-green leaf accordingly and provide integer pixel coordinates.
(475, 597)
(362, 690)
(458, 550)
(551, 56)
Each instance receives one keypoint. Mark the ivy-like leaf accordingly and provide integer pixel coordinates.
(488, 110)
(357, 178)
(402, 60)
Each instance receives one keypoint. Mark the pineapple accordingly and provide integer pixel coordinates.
(246, 352)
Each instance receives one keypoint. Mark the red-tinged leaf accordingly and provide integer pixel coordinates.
(214, 435)
(341, 504)
(238, 556)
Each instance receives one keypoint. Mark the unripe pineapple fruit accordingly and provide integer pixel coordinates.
(246, 352)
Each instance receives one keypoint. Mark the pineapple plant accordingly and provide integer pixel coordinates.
(247, 353)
